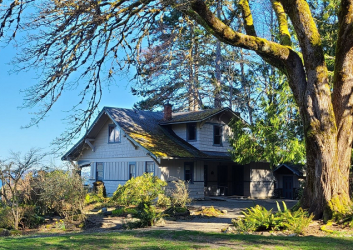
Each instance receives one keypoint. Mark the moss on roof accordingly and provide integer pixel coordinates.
(142, 126)
(193, 116)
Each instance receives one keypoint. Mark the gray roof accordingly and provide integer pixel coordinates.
(296, 169)
(198, 116)
(148, 129)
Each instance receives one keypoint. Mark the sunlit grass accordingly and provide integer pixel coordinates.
(163, 239)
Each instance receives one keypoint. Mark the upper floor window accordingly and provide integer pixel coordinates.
(99, 171)
(132, 170)
(217, 135)
(191, 131)
(150, 167)
(114, 134)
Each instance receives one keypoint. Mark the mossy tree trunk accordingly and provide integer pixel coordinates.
(327, 118)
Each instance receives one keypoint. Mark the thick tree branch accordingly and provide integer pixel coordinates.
(318, 94)
(281, 57)
(282, 23)
(309, 40)
(247, 18)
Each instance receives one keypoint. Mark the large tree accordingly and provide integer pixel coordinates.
(71, 34)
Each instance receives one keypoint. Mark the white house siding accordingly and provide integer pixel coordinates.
(104, 150)
(262, 180)
(115, 158)
(204, 136)
(180, 130)
(174, 169)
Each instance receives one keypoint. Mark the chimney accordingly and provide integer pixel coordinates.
(167, 112)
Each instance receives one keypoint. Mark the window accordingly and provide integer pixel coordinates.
(99, 171)
(114, 134)
(217, 135)
(189, 172)
(132, 170)
(150, 167)
(191, 131)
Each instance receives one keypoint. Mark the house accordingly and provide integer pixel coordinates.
(191, 146)
(288, 180)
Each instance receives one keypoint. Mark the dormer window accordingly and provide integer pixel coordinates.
(217, 135)
(114, 134)
(191, 131)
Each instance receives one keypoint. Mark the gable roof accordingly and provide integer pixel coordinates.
(142, 127)
(198, 116)
(147, 129)
(296, 169)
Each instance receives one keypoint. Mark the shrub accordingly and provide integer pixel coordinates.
(295, 221)
(179, 195)
(6, 220)
(255, 219)
(148, 216)
(139, 190)
(163, 200)
(30, 218)
(62, 192)
(259, 218)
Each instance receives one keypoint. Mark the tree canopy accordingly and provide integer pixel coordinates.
(68, 35)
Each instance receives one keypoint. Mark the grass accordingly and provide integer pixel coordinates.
(161, 239)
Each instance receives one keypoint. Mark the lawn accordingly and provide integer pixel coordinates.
(160, 239)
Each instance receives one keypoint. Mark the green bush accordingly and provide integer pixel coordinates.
(6, 220)
(139, 191)
(259, 218)
(148, 216)
(256, 218)
(30, 218)
(295, 221)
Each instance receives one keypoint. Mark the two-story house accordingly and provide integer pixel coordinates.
(191, 146)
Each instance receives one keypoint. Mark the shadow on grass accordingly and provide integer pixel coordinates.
(157, 239)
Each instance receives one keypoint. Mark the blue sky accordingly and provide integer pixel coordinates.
(13, 118)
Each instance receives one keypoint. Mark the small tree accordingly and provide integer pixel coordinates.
(12, 172)
(62, 192)
(179, 195)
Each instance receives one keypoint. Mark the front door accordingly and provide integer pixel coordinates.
(288, 187)
(223, 179)
(238, 180)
